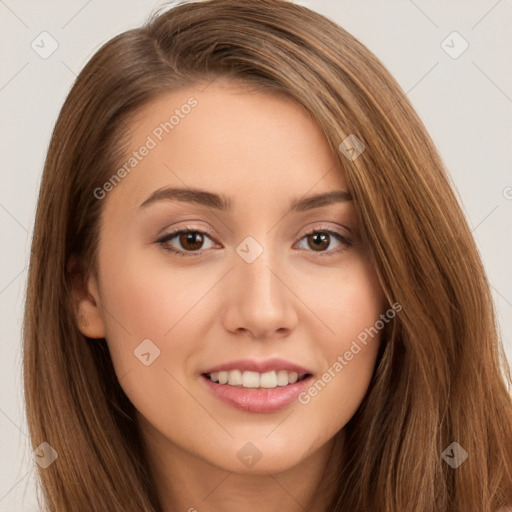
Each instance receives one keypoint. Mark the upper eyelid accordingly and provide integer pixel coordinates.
(185, 229)
(321, 227)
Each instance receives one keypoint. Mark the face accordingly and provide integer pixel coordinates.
(226, 280)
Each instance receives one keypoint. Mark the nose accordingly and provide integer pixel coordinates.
(259, 301)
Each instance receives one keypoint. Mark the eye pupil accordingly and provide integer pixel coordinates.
(321, 240)
(189, 238)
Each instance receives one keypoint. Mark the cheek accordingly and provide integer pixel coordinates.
(348, 301)
(358, 321)
(150, 300)
(351, 308)
(140, 302)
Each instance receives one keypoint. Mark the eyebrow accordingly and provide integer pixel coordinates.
(224, 203)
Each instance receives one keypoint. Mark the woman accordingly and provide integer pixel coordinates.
(251, 285)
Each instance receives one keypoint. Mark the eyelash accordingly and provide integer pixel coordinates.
(163, 242)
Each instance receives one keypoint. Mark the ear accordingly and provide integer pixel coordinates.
(86, 300)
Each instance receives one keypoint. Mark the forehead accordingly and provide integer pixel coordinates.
(227, 139)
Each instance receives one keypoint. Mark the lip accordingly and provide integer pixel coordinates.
(260, 366)
(258, 400)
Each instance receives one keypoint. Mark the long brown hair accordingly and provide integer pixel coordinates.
(441, 376)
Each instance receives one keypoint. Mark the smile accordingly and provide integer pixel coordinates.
(248, 379)
(256, 392)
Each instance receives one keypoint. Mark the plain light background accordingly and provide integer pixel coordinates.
(465, 103)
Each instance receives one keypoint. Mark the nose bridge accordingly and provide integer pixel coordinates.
(259, 301)
(253, 268)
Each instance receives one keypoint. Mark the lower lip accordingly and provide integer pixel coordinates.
(256, 399)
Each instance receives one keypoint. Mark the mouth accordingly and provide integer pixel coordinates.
(256, 380)
(257, 387)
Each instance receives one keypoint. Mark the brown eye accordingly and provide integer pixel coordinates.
(185, 242)
(318, 240)
(191, 240)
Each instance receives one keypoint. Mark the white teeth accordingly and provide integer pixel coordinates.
(235, 378)
(268, 380)
(249, 379)
(282, 378)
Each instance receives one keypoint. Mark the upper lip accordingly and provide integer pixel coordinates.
(260, 366)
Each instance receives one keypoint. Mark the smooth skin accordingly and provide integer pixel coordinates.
(300, 300)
